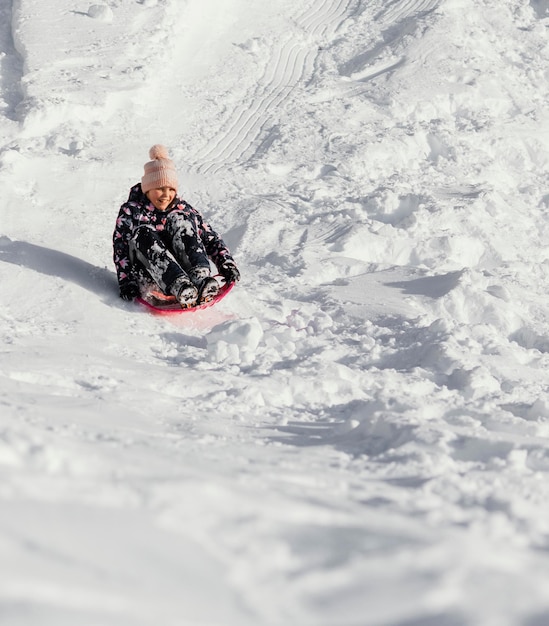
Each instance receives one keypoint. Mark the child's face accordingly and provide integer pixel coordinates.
(161, 197)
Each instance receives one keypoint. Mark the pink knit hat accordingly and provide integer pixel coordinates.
(160, 171)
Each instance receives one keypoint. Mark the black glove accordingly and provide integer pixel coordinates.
(230, 273)
(129, 291)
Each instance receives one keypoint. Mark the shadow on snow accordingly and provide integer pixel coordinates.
(98, 280)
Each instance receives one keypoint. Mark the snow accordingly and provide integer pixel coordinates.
(359, 432)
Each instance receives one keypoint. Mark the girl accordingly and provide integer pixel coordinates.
(162, 240)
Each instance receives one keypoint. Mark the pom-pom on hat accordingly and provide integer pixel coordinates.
(159, 171)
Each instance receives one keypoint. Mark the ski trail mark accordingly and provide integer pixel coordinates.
(403, 9)
(325, 19)
(247, 121)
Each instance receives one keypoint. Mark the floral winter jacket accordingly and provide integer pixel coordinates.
(136, 211)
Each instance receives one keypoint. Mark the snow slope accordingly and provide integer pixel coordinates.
(358, 435)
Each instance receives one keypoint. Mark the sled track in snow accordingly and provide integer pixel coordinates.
(11, 65)
(290, 63)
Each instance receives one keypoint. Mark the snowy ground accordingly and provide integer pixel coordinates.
(358, 435)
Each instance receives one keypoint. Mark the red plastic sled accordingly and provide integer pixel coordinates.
(160, 304)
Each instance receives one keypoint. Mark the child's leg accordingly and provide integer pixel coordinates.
(187, 247)
(147, 247)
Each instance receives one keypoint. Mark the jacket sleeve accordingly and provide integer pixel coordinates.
(215, 246)
(121, 246)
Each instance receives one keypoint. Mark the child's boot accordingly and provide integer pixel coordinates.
(185, 292)
(207, 286)
(208, 290)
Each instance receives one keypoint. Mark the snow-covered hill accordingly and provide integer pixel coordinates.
(358, 435)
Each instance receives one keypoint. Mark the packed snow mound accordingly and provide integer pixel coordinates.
(235, 341)
(101, 12)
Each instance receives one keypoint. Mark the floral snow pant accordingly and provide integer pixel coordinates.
(167, 255)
